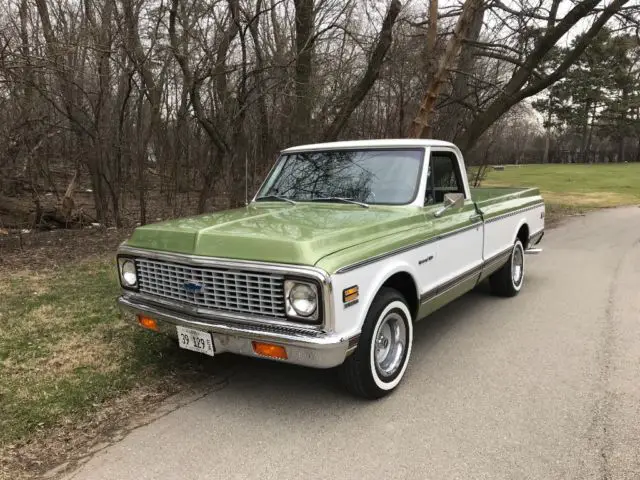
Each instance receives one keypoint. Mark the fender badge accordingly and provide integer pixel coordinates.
(192, 287)
(425, 260)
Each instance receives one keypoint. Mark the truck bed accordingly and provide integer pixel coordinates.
(497, 201)
(492, 195)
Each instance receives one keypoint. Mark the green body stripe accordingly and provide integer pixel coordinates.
(329, 236)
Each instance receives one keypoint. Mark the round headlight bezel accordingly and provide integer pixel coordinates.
(128, 273)
(296, 293)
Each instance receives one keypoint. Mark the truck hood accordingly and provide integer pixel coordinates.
(280, 233)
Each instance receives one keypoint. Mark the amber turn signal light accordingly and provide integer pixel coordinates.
(350, 294)
(270, 350)
(147, 322)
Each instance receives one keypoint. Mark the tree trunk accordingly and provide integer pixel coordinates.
(422, 124)
(623, 120)
(303, 69)
(591, 124)
(585, 132)
(432, 34)
(264, 135)
(453, 117)
(547, 139)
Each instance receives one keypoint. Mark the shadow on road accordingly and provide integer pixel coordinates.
(244, 377)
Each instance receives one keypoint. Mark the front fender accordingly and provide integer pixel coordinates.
(369, 279)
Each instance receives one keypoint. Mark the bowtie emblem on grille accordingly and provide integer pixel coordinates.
(192, 287)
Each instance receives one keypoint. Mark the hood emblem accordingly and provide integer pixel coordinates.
(192, 287)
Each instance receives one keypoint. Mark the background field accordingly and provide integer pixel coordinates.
(572, 188)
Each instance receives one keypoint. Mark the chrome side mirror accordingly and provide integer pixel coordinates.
(451, 200)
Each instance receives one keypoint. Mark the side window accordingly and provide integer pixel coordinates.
(443, 177)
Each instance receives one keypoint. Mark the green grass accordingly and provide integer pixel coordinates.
(64, 350)
(574, 188)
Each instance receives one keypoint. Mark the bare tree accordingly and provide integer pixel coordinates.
(524, 81)
(123, 111)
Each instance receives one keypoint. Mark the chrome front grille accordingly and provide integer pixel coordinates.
(213, 288)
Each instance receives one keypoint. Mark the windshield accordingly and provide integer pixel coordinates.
(388, 177)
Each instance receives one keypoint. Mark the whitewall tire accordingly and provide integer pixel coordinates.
(508, 281)
(379, 362)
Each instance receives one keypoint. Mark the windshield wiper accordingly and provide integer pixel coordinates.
(276, 197)
(340, 199)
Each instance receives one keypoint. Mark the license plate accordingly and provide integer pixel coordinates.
(195, 340)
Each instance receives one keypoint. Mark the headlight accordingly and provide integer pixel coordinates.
(301, 299)
(128, 275)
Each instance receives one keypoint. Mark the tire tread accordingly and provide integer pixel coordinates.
(351, 371)
(500, 281)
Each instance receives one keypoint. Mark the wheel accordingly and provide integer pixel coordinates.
(507, 281)
(380, 360)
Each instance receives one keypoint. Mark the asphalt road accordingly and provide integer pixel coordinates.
(545, 386)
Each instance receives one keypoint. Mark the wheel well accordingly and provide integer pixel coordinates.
(523, 235)
(403, 283)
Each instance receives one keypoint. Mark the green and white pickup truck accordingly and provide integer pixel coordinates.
(342, 249)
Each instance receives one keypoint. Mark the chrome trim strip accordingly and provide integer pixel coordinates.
(514, 212)
(353, 343)
(322, 147)
(304, 338)
(450, 284)
(315, 272)
(468, 275)
(318, 274)
(406, 248)
(319, 351)
(495, 262)
(535, 238)
(497, 258)
(264, 180)
(207, 315)
(435, 238)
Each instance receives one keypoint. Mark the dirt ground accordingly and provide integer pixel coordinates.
(39, 250)
(51, 452)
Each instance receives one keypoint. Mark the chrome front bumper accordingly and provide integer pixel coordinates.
(318, 350)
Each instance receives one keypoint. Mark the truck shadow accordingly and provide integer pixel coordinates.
(246, 379)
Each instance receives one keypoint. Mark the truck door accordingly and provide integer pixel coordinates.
(458, 261)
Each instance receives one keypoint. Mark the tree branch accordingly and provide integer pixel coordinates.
(370, 75)
(505, 58)
(529, 13)
(577, 51)
(514, 91)
(192, 86)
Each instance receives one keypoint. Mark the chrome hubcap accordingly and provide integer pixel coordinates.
(390, 344)
(517, 266)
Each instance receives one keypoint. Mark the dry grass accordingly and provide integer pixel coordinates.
(78, 351)
(590, 200)
(66, 358)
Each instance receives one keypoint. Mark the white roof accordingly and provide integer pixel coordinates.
(387, 143)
